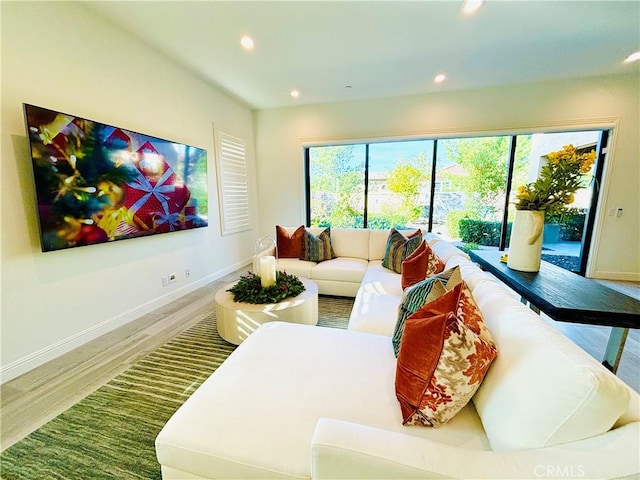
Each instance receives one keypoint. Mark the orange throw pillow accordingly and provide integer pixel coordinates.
(289, 246)
(414, 267)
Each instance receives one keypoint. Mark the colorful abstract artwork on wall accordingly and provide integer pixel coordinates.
(97, 183)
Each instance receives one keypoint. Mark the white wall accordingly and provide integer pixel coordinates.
(548, 106)
(62, 56)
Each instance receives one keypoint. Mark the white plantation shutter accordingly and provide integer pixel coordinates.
(233, 190)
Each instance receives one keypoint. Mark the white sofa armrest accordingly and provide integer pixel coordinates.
(347, 450)
(342, 450)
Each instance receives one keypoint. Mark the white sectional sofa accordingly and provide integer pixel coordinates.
(298, 401)
(356, 249)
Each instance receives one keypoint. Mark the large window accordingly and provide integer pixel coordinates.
(459, 188)
(337, 186)
(473, 175)
(399, 184)
(566, 236)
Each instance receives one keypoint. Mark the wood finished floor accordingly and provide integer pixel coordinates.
(31, 400)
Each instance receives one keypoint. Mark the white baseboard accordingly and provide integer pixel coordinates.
(50, 352)
(622, 276)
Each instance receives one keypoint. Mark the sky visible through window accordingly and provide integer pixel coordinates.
(383, 156)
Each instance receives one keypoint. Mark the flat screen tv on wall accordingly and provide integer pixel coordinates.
(97, 183)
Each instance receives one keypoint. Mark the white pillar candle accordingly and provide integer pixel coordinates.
(267, 271)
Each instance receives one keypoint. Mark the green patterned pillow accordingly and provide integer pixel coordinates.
(317, 248)
(400, 247)
(420, 294)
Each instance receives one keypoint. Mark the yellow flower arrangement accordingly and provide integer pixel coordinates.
(559, 179)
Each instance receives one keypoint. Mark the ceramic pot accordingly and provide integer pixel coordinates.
(525, 244)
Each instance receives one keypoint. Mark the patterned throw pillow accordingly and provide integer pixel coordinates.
(460, 301)
(420, 294)
(414, 267)
(442, 363)
(435, 265)
(289, 246)
(317, 248)
(400, 247)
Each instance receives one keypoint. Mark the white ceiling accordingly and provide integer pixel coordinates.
(381, 49)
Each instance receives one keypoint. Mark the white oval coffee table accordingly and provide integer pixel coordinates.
(237, 320)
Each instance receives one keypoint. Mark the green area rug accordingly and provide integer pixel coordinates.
(111, 433)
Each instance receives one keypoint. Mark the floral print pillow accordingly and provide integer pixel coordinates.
(435, 265)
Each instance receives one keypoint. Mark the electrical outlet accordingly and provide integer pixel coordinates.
(165, 281)
(172, 278)
(187, 272)
(619, 213)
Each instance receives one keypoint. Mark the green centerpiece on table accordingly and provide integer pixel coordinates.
(249, 289)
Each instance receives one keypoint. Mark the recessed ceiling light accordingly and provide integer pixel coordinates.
(247, 42)
(294, 93)
(634, 57)
(441, 77)
(471, 6)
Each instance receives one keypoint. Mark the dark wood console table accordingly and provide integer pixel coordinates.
(568, 297)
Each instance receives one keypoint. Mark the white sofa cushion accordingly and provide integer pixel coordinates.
(293, 266)
(347, 450)
(432, 238)
(350, 242)
(445, 250)
(255, 416)
(342, 269)
(377, 244)
(381, 280)
(374, 312)
(542, 389)
(375, 308)
(470, 272)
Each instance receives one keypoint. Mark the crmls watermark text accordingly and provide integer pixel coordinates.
(559, 471)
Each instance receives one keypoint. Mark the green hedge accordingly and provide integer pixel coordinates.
(381, 221)
(375, 221)
(571, 223)
(452, 221)
(481, 232)
(488, 233)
